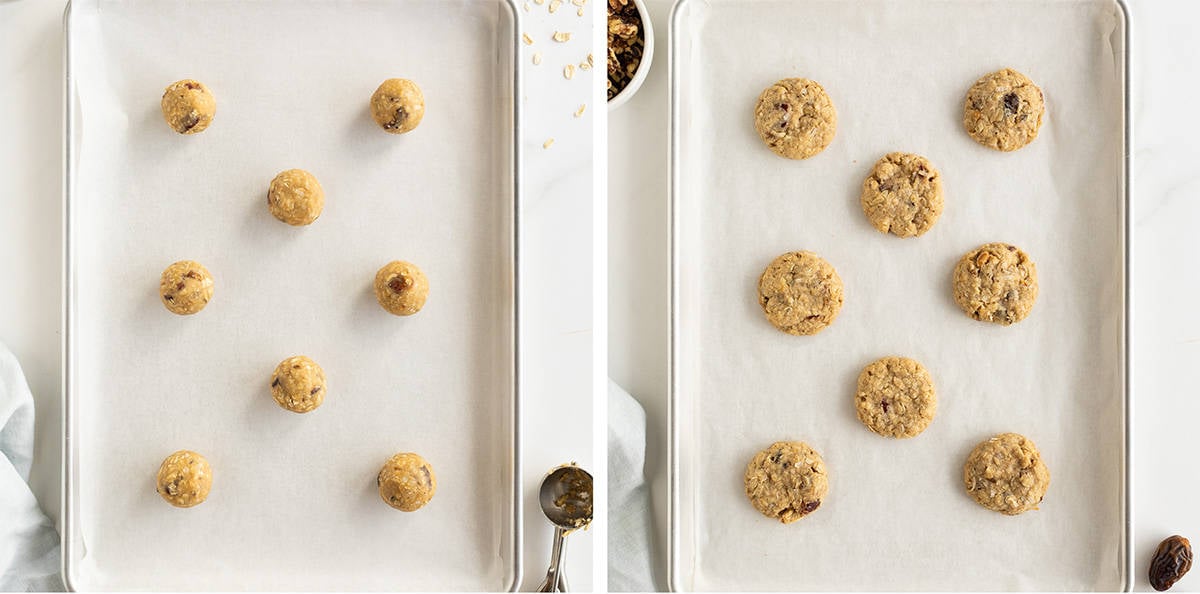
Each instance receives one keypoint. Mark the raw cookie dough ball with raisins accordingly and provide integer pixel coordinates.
(298, 384)
(186, 287)
(401, 288)
(398, 105)
(296, 197)
(188, 106)
(406, 482)
(184, 479)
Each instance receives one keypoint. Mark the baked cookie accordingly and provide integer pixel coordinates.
(895, 397)
(1003, 110)
(996, 283)
(401, 288)
(902, 195)
(406, 482)
(185, 287)
(800, 293)
(188, 106)
(1006, 474)
(398, 105)
(298, 384)
(296, 197)
(796, 118)
(184, 479)
(786, 481)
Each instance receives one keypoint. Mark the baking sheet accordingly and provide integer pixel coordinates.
(294, 504)
(897, 516)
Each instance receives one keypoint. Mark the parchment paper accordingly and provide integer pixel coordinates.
(294, 505)
(897, 516)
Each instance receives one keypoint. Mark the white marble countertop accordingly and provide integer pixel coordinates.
(556, 313)
(1166, 334)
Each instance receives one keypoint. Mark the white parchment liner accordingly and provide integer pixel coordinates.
(294, 503)
(897, 516)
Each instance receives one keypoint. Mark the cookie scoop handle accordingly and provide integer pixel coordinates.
(556, 580)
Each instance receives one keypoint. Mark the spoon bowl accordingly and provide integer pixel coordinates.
(566, 497)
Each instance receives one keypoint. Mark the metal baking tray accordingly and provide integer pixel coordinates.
(294, 503)
(897, 516)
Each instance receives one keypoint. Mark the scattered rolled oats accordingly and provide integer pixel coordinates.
(579, 112)
(526, 7)
(562, 36)
(537, 58)
(579, 12)
(569, 71)
(625, 44)
(585, 66)
(554, 4)
(549, 141)
(527, 39)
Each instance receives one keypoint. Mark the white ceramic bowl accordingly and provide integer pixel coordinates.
(647, 55)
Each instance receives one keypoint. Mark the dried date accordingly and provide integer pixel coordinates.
(1012, 103)
(1171, 561)
(398, 284)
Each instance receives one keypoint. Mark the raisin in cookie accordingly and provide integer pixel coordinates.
(298, 384)
(406, 482)
(296, 197)
(1003, 110)
(398, 105)
(185, 287)
(895, 397)
(996, 283)
(795, 118)
(1006, 474)
(787, 481)
(184, 479)
(188, 106)
(401, 288)
(902, 195)
(800, 293)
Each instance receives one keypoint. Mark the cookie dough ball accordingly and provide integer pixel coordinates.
(401, 288)
(1006, 474)
(796, 118)
(800, 293)
(188, 106)
(903, 195)
(996, 283)
(1003, 110)
(184, 479)
(398, 105)
(895, 397)
(295, 197)
(186, 287)
(787, 481)
(298, 384)
(406, 482)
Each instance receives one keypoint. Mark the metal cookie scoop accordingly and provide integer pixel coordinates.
(566, 499)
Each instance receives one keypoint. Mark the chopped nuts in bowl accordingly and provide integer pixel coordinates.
(630, 47)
